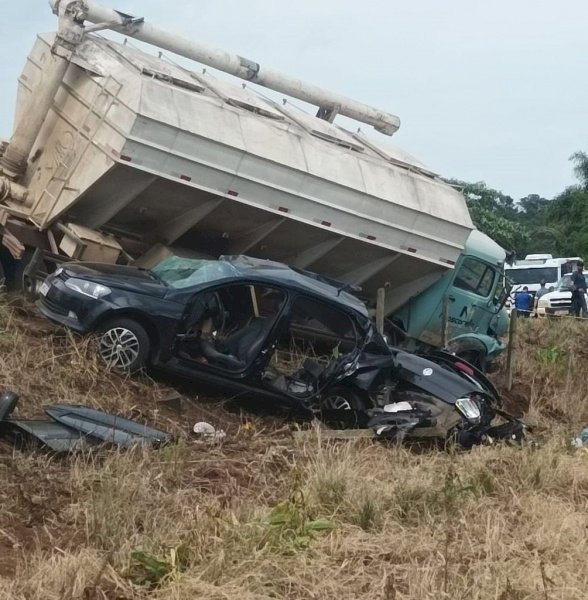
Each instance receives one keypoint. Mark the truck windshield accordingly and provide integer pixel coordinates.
(183, 272)
(532, 275)
(475, 277)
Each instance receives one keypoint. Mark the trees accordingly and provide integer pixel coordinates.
(534, 224)
(496, 214)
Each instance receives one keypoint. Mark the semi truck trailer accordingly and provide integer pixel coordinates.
(121, 155)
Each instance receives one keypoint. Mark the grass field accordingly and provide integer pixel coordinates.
(265, 514)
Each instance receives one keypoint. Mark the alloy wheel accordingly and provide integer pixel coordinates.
(119, 348)
(337, 402)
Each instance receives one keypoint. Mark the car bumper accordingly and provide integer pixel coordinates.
(69, 308)
(559, 311)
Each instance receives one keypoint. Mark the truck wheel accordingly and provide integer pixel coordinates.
(123, 344)
(474, 358)
(14, 271)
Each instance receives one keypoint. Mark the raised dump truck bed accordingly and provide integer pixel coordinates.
(142, 148)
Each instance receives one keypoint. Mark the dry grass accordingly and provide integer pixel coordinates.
(350, 519)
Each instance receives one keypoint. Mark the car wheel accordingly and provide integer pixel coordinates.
(343, 398)
(123, 345)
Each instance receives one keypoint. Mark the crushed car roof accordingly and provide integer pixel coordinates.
(279, 273)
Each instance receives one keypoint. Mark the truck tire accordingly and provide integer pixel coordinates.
(14, 271)
(124, 345)
(477, 359)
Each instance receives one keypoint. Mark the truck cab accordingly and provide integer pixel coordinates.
(475, 292)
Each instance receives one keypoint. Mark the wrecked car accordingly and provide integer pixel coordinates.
(258, 327)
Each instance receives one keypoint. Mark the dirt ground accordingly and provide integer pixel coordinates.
(264, 513)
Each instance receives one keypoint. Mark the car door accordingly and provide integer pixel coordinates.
(314, 339)
(225, 331)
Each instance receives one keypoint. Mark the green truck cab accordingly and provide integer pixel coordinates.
(475, 295)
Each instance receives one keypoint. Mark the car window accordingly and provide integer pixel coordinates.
(475, 276)
(315, 331)
(226, 327)
(184, 272)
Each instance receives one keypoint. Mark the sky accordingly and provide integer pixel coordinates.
(486, 91)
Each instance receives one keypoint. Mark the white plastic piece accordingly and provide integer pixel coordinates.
(397, 407)
(206, 430)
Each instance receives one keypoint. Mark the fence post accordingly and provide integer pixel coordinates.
(445, 321)
(380, 310)
(512, 330)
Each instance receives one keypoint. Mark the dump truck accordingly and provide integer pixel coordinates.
(118, 155)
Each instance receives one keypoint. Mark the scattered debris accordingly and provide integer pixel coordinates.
(582, 440)
(174, 401)
(74, 427)
(206, 430)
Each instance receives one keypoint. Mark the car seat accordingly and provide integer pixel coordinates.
(239, 349)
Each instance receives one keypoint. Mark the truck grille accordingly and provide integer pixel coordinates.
(560, 302)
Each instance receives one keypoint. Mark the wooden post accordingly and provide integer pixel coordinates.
(380, 310)
(445, 321)
(512, 329)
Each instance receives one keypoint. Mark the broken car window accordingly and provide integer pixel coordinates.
(184, 272)
(317, 333)
(227, 327)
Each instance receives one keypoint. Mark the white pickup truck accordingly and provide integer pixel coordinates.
(559, 301)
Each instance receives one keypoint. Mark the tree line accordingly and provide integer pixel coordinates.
(534, 224)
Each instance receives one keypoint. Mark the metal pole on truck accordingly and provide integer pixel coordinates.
(329, 103)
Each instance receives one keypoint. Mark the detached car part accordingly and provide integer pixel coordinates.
(74, 428)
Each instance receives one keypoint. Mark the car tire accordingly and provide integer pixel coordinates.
(343, 398)
(124, 345)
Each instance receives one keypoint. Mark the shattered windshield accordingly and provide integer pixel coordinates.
(184, 272)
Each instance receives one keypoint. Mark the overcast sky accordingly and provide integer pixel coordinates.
(494, 91)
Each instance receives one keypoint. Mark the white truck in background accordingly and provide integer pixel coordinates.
(534, 269)
(120, 156)
(558, 302)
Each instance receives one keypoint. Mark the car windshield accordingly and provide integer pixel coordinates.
(532, 275)
(184, 272)
(565, 283)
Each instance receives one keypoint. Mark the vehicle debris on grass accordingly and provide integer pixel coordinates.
(73, 428)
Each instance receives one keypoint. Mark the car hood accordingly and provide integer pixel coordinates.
(432, 378)
(119, 277)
